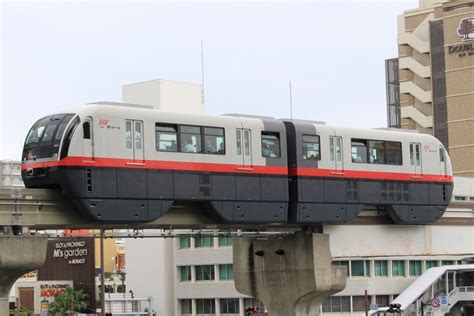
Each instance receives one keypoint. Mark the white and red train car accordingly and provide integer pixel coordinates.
(126, 163)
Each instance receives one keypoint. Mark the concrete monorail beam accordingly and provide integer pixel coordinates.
(18, 255)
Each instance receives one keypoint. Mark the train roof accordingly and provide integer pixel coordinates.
(103, 107)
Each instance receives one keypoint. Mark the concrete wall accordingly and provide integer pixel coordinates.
(150, 271)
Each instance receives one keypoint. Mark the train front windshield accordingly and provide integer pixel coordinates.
(45, 136)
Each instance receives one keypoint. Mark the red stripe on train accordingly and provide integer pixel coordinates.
(232, 168)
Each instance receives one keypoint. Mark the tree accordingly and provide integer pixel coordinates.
(70, 301)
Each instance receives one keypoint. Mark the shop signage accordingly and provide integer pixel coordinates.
(465, 31)
(51, 290)
(75, 252)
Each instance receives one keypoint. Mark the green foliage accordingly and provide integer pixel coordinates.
(69, 301)
(121, 288)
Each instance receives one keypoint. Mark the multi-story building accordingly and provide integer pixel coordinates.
(194, 276)
(430, 85)
(10, 174)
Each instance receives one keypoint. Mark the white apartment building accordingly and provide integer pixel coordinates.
(10, 174)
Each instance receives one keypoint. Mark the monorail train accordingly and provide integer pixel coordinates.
(130, 163)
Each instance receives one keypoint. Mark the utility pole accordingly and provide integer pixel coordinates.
(102, 278)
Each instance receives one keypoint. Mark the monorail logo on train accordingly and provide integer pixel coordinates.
(103, 123)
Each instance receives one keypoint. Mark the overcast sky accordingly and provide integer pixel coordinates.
(57, 54)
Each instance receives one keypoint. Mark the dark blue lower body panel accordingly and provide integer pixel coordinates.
(328, 200)
(138, 195)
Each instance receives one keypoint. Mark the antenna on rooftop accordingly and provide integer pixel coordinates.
(291, 103)
(202, 69)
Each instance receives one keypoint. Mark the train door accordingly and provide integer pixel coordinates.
(134, 142)
(442, 162)
(336, 154)
(244, 147)
(415, 159)
(88, 139)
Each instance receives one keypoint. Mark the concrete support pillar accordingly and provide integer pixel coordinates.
(18, 255)
(293, 275)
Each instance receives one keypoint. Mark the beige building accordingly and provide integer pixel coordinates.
(430, 86)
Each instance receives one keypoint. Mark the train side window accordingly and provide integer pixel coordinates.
(190, 139)
(247, 142)
(270, 145)
(359, 150)
(166, 136)
(338, 148)
(214, 142)
(238, 142)
(441, 155)
(311, 147)
(138, 135)
(393, 151)
(418, 155)
(86, 127)
(331, 148)
(128, 134)
(376, 152)
(412, 155)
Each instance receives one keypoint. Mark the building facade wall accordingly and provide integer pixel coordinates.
(441, 56)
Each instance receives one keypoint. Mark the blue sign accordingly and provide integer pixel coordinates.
(374, 307)
(444, 300)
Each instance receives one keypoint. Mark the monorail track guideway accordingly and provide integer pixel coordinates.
(303, 269)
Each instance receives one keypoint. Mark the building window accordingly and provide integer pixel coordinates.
(359, 151)
(184, 242)
(342, 263)
(204, 241)
(360, 268)
(166, 136)
(190, 139)
(415, 268)
(398, 268)
(431, 264)
(205, 307)
(376, 152)
(459, 198)
(380, 267)
(381, 300)
(270, 145)
(225, 241)
(229, 306)
(226, 272)
(337, 304)
(358, 303)
(447, 262)
(214, 141)
(205, 273)
(186, 307)
(184, 273)
(311, 147)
